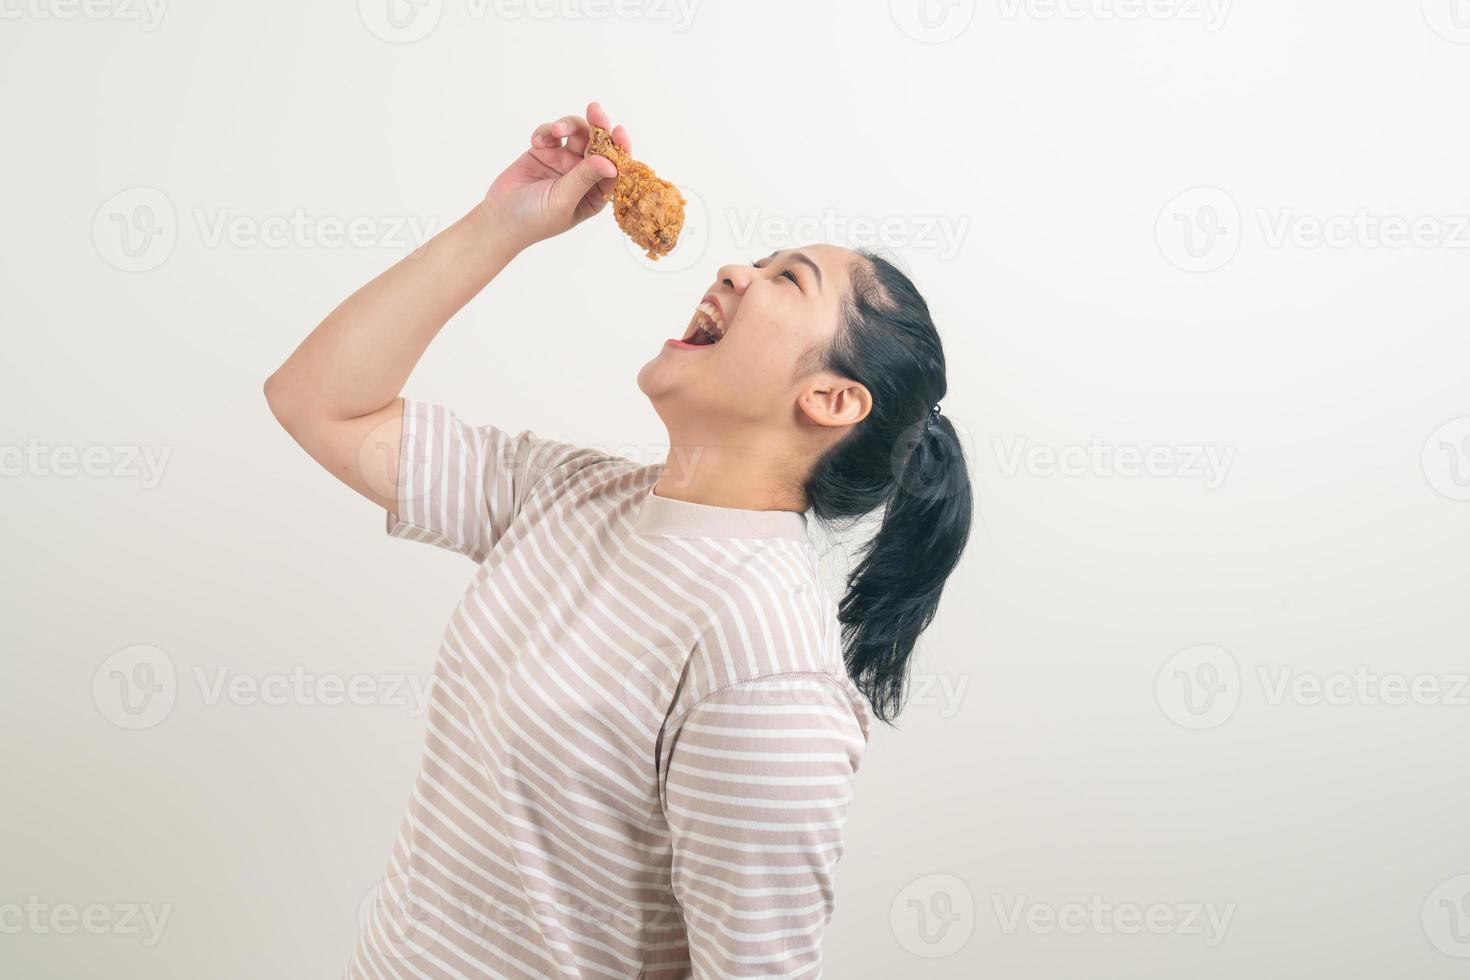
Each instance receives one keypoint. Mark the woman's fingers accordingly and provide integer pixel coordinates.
(548, 148)
(557, 157)
(569, 128)
(597, 116)
(577, 131)
(542, 136)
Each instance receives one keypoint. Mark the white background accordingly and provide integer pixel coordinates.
(1055, 751)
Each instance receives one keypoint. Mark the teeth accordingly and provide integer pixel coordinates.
(710, 320)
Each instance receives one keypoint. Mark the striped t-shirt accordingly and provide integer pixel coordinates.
(641, 739)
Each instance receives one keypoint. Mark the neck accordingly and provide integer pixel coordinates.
(741, 476)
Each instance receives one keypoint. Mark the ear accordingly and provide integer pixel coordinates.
(833, 401)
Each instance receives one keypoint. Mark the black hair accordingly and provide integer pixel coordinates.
(904, 458)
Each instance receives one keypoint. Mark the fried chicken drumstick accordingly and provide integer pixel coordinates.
(649, 210)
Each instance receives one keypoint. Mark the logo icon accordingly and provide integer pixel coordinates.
(649, 682)
(404, 915)
(400, 21)
(135, 687)
(932, 21)
(693, 238)
(1450, 19)
(1446, 917)
(1199, 230)
(135, 229)
(933, 916)
(1199, 687)
(410, 472)
(1446, 459)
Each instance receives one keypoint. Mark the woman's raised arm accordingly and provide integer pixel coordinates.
(337, 394)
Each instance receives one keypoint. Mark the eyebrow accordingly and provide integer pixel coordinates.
(800, 257)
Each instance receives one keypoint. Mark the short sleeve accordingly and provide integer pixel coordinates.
(460, 486)
(757, 786)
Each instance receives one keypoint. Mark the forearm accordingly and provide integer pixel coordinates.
(356, 361)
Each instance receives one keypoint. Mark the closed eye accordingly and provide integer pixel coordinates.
(784, 272)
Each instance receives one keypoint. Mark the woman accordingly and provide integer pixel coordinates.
(646, 712)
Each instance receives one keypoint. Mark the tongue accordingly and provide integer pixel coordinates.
(699, 338)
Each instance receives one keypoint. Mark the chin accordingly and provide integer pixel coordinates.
(667, 389)
(648, 381)
(660, 378)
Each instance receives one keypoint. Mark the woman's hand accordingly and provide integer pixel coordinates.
(337, 394)
(551, 187)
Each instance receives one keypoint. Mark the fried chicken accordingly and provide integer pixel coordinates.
(649, 210)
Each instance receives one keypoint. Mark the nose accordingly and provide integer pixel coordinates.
(736, 277)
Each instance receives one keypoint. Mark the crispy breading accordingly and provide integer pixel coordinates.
(649, 210)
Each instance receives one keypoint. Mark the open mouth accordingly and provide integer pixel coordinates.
(706, 327)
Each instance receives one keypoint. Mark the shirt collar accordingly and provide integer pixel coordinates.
(685, 519)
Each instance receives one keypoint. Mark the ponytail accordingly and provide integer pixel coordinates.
(904, 458)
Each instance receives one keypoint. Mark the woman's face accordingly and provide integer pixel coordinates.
(771, 318)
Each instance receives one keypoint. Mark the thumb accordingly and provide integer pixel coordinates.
(573, 185)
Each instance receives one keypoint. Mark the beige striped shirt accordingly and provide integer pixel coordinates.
(641, 739)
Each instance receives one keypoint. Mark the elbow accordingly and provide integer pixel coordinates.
(277, 400)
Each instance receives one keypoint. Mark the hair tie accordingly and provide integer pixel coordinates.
(929, 419)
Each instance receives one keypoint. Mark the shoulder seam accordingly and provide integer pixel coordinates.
(588, 458)
(677, 721)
